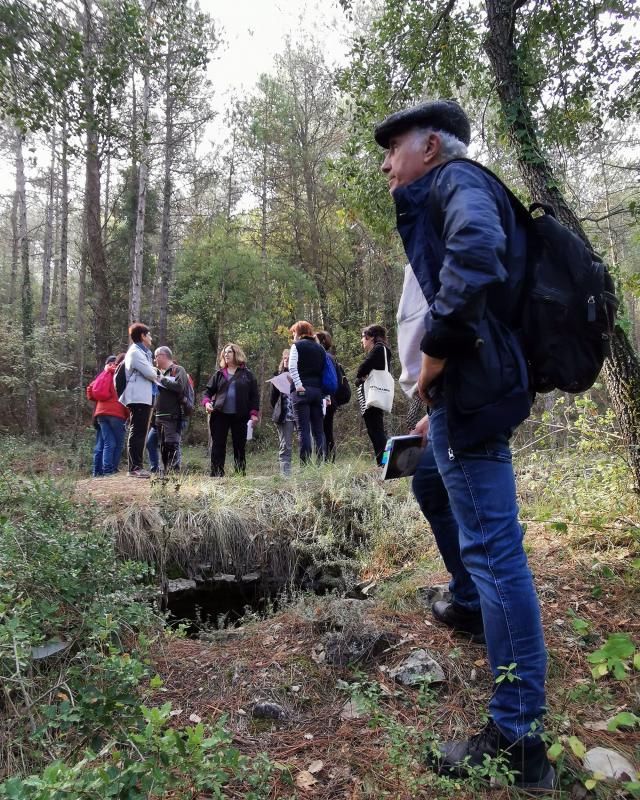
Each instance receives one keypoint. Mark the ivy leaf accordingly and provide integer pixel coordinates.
(625, 719)
(554, 751)
(577, 748)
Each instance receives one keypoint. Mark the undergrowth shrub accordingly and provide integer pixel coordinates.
(75, 633)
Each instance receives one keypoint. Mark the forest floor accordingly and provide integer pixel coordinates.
(345, 728)
(588, 586)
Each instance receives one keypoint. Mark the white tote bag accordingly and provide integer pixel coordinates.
(379, 386)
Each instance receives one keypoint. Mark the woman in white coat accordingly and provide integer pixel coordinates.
(138, 396)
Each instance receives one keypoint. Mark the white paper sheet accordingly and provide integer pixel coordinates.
(281, 382)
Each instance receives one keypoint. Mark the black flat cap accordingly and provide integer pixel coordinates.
(444, 115)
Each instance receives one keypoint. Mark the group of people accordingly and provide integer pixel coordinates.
(151, 398)
(461, 355)
(154, 387)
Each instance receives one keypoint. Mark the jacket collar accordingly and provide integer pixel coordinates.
(408, 198)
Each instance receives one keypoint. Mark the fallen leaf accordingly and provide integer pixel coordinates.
(195, 718)
(479, 662)
(315, 766)
(599, 725)
(176, 712)
(305, 780)
(308, 736)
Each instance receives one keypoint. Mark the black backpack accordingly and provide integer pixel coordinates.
(343, 393)
(120, 379)
(569, 302)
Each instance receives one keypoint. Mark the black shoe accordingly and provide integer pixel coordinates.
(529, 764)
(460, 619)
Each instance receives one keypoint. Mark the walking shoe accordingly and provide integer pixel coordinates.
(139, 473)
(529, 764)
(460, 619)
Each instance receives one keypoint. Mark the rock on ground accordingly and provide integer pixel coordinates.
(611, 764)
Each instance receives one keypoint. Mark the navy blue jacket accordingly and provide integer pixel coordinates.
(468, 253)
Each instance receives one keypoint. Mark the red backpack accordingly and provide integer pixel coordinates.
(102, 387)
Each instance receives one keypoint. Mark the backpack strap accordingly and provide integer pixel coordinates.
(518, 206)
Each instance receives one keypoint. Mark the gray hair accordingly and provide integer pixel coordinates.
(164, 351)
(450, 146)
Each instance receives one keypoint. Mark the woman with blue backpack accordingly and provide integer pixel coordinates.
(307, 366)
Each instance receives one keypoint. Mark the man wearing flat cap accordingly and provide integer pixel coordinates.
(468, 252)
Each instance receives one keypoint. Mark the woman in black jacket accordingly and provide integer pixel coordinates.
(306, 365)
(231, 400)
(374, 343)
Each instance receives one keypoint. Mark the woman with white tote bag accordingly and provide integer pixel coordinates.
(375, 386)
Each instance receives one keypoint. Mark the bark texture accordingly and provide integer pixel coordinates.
(622, 369)
(30, 386)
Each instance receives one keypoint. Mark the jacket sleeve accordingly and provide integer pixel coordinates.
(136, 360)
(254, 396)
(273, 396)
(475, 246)
(179, 386)
(375, 360)
(210, 389)
(293, 366)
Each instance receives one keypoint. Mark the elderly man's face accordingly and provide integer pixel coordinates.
(410, 155)
(162, 361)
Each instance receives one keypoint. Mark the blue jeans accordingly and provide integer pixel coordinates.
(307, 409)
(153, 450)
(482, 493)
(433, 500)
(112, 435)
(97, 451)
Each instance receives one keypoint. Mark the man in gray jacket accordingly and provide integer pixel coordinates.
(168, 407)
(139, 394)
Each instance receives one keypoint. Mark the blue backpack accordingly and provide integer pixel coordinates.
(329, 376)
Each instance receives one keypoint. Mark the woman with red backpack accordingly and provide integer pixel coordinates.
(109, 419)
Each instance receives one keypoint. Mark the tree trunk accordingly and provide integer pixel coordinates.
(31, 404)
(622, 368)
(164, 260)
(15, 253)
(63, 312)
(47, 248)
(135, 293)
(95, 246)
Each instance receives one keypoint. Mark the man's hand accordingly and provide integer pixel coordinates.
(422, 429)
(429, 373)
(209, 408)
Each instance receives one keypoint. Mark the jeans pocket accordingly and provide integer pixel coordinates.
(495, 449)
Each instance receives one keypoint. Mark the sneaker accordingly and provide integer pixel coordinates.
(529, 764)
(139, 473)
(460, 619)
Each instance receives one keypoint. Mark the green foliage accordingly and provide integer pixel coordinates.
(61, 583)
(153, 760)
(508, 673)
(615, 657)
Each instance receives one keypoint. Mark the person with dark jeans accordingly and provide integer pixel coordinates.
(169, 408)
(153, 449)
(468, 251)
(325, 339)
(374, 343)
(306, 367)
(232, 401)
(109, 419)
(463, 613)
(139, 394)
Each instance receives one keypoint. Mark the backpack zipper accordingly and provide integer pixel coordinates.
(591, 309)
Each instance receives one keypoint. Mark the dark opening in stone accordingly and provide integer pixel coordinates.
(218, 602)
